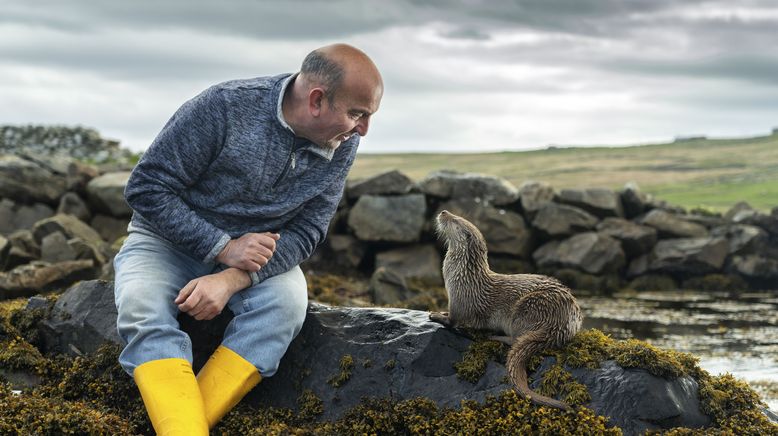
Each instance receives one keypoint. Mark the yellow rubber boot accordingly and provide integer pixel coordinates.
(224, 380)
(172, 397)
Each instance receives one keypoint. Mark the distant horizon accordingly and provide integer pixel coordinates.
(501, 75)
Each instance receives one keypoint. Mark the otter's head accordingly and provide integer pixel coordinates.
(459, 233)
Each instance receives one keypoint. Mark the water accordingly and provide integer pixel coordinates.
(735, 334)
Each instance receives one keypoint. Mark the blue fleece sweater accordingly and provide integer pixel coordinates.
(227, 164)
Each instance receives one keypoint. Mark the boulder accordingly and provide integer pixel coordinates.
(559, 220)
(72, 204)
(388, 287)
(592, 252)
(389, 183)
(395, 219)
(69, 225)
(26, 181)
(5, 249)
(78, 176)
(345, 354)
(634, 202)
(743, 238)
(347, 250)
(505, 231)
(37, 276)
(15, 216)
(635, 239)
(450, 184)
(737, 208)
(55, 248)
(756, 218)
(670, 225)
(755, 266)
(690, 256)
(599, 202)
(420, 262)
(110, 228)
(535, 195)
(106, 193)
(25, 241)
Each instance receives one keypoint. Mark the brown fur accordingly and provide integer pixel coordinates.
(535, 312)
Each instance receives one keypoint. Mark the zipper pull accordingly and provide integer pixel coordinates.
(294, 161)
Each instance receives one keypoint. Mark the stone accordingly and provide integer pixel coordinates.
(691, 256)
(5, 249)
(395, 219)
(106, 194)
(635, 239)
(505, 231)
(559, 220)
(25, 241)
(535, 195)
(638, 266)
(72, 204)
(396, 353)
(634, 201)
(737, 208)
(421, 262)
(55, 248)
(510, 265)
(37, 276)
(110, 228)
(25, 181)
(78, 176)
(347, 250)
(755, 218)
(591, 252)
(755, 266)
(15, 216)
(743, 238)
(599, 202)
(672, 226)
(604, 284)
(653, 283)
(491, 190)
(388, 287)
(69, 225)
(388, 183)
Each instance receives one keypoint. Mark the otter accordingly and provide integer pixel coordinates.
(532, 311)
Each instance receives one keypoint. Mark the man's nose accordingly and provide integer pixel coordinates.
(363, 125)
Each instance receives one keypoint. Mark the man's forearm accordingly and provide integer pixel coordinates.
(236, 279)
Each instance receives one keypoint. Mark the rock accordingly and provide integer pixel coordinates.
(635, 239)
(55, 248)
(450, 184)
(420, 262)
(505, 231)
(15, 216)
(394, 353)
(638, 266)
(692, 256)
(395, 219)
(672, 226)
(5, 249)
(110, 228)
(83, 318)
(78, 176)
(70, 226)
(510, 265)
(388, 287)
(25, 181)
(72, 204)
(755, 218)
(743, 238)
(653, 283)
(578, 280)
(106, 194)
(591, 252)
(347, 250)
(599, 202)
(389, 183)
(558, 220)
(716, 283)
(637, 401)
(38, 276)
(755, 266)
(737, 208)
(634, 202)
(25, 241)
(535, 195)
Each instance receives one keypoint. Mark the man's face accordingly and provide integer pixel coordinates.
(346, 114)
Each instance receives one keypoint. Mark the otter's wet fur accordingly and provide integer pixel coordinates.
(534, 312)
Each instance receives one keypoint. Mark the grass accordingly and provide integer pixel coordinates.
(710, 173)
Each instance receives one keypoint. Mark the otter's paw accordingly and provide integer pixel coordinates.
(440, 317)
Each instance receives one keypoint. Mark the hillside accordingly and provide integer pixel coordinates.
(712, 173)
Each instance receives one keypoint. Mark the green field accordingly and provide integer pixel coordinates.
(709, 173)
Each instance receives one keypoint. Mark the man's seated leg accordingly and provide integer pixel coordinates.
(149, 274)
(268, 316)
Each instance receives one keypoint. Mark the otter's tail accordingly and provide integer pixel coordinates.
(523, 348)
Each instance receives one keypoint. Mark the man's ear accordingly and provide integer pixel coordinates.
(315, 101)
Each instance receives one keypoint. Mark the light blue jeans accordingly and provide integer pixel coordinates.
(150, 272)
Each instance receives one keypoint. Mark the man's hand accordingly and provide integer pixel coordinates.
(250, 252)
(206, 296)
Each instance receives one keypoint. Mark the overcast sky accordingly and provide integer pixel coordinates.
(459, 75)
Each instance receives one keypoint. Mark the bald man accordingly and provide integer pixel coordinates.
(236, 190)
